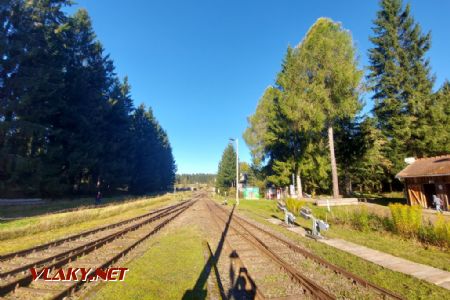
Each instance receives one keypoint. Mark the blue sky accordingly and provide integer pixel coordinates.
(202, 65)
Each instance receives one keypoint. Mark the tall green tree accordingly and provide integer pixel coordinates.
(226, 174)
(439, 113)
(317, 86)
(31, 88)
(153, 167)
(67, 123)
(328, 60)
(402, 84)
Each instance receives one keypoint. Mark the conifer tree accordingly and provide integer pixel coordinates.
(66, 120)
(401, 82)
(226, 174)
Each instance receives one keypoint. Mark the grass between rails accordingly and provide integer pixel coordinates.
(408, 286)
(168, 270)
(29, 232)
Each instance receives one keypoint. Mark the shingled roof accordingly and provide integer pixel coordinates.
(431, 166)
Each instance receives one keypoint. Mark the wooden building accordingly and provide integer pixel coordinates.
(426, 177)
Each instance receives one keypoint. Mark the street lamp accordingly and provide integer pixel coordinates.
(237, 169)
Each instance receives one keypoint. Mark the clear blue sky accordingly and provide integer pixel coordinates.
(202, 65)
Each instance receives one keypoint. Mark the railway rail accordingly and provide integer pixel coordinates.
(250, 290)
(85, 248)
(317, 277)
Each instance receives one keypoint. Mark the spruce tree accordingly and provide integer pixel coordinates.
(226, 174)
(401, 81)
(66, 120)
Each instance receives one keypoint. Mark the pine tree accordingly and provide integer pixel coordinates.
(66, 121)
(439, 115)
(117, 137)
(401, 82)
(226, 174)
(32, 85)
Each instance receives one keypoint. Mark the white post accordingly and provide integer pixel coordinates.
(237, 171)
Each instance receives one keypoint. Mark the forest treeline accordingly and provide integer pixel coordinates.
(311, 122)
(68, 125)
(194, 178)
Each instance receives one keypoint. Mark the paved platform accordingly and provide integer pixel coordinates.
(337, 202)
(5, 202)
(388, 261)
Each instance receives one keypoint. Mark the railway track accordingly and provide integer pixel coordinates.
(315, 277)
(248, 289)
(87, 249)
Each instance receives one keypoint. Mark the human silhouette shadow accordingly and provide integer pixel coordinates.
(199, 289)
(243, 287)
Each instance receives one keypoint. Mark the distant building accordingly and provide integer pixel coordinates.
(426, 177)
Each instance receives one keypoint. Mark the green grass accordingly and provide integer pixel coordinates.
(405, 285)
(24, 233)
(382, 240)
(384, 198)
(168, 270)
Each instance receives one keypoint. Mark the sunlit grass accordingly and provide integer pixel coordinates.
(28, 232)
(168, 270)
(408, 286)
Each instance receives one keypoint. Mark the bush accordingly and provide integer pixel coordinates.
(294, 205)
(442, 231)
(407, 220)
(360, 219)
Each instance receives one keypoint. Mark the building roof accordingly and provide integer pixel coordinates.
(424, 167)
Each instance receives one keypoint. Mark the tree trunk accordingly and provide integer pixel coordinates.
(333, 163)
(299, 186)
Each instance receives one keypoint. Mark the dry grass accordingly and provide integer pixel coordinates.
(24, 233)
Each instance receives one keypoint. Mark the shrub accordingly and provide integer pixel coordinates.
(441, 230)
(360, 219)
(407, 220)
(294, 205)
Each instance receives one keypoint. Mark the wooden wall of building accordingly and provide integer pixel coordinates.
(416, 190)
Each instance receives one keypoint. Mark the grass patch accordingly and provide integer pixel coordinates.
(384, 198)
(29, 232)
(167, 270)
(408, 286)
(57, 206)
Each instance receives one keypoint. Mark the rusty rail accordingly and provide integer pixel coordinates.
(80, 235)
(384, 292)
(72, 254)
(71, 289)
(312, 287)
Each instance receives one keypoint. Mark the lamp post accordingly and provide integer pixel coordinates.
(237, 169)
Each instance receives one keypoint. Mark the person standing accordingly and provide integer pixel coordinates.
(437, 203)
(98, 198)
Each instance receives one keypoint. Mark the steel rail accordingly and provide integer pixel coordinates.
(321, 261)
(316, 290)
(73, 254)
(71, 289)
(80, 235)
(258, 294)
